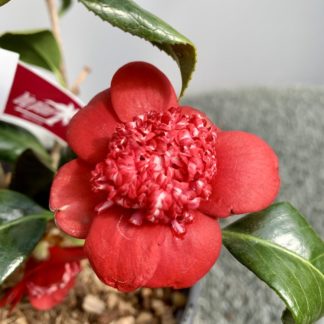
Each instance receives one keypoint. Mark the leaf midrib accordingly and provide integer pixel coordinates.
(180, 38)
(269, 244)
(153, 29)
(275, 246)
(46, 215)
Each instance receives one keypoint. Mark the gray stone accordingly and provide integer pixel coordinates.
(292, 122)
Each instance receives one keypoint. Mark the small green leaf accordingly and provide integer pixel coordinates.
(37, 48)
(2, 2)
(14, 140)
(281, 248)
(67, 155)
(131, 18)
(22, 225)
(65, 6)
(32, 177)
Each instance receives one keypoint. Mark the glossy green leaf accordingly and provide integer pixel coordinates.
(32, 177)
(37, 48)
(282, 249)
(65, 5)
(22, 225)
(2, 2)
(14, 140)
(131, 18)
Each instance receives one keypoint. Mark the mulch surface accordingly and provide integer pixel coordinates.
(93, 302)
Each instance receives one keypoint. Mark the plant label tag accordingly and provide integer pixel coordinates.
(27, 98)
(8, 65)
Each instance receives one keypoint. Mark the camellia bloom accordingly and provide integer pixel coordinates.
(46, 283)
(150, 179)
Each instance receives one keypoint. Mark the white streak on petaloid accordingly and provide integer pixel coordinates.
(64, 207)
(159, 200)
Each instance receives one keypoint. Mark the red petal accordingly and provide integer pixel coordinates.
(247, 178)
(47, 301)
(184, 261)
(123, 255)
(127, 257)
(47, 282)
(72, 199)
(66, 254)
(90, 129)
(13, 296)
(48, 286)
(139, 87)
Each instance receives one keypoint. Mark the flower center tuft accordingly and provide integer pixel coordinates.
(160, 165)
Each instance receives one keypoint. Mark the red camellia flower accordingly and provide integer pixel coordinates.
(150, 180)
(46, 283)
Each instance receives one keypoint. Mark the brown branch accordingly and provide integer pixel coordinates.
(54, 17)
(81, 77)
(56, 154)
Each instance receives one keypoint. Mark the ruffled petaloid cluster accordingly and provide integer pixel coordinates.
(150, 179)
(160, 165)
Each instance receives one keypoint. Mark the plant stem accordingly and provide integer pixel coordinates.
(56, 154)
(54, 17)
(75, 88)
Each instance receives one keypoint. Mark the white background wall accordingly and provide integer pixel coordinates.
(240, 42)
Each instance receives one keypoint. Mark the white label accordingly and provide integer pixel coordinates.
(8, 65)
